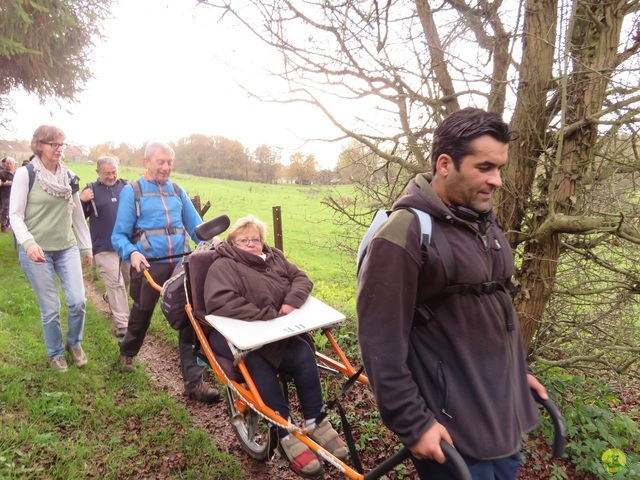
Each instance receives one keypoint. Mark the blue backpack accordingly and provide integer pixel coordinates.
(379, 218)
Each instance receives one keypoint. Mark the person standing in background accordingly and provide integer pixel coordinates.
(100, 206)
(6, 180)
(45, 210)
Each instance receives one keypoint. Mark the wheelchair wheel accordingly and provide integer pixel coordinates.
(257, 436)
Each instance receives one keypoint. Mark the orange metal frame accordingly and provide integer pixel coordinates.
(250, 395)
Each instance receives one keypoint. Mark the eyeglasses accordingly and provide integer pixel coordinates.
(55, 146)
(245, 241)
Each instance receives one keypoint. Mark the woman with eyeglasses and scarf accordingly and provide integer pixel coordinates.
(45, 210)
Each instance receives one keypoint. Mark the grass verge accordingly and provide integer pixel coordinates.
(94, 422)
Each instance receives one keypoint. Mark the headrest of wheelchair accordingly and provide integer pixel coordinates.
(211, 228)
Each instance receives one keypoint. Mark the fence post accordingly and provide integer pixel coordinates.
(196, 203)
(277, 228)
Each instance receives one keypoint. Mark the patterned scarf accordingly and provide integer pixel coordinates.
(56, 184)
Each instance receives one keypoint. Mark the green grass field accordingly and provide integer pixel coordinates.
(91, 423)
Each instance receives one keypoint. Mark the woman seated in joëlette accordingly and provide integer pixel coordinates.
(249, 280)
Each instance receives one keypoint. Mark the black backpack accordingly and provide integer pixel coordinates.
(173, 298)
(431, 234)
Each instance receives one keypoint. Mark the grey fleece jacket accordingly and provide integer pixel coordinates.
(465, 366)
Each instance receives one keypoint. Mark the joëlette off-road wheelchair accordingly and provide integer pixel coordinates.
(254, 423)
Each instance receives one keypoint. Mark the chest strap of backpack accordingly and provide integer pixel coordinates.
(449, 263)
(423, 312)
(483, 288)
(142, 235)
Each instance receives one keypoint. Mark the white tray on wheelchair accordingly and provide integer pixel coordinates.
(249, 335)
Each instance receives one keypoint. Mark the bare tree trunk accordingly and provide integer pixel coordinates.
(529, 117)
(536, 284)
(594, 39)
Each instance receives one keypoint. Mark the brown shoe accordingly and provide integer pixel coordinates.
(77, 355)
(58, 364)
(325, 436)
(203, 393)
(127, 363)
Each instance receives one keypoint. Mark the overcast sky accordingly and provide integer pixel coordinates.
(162, 73)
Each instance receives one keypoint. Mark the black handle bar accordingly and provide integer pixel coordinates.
(559, 443)
(559, 429)
(401, 455)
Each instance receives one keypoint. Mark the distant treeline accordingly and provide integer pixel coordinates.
(220, 157)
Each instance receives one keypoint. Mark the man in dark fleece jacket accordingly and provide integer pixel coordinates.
(453, 369)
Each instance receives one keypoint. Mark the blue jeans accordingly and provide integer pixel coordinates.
(498, 469)
(68, 266)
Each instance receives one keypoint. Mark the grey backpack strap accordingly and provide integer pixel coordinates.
(444, 249)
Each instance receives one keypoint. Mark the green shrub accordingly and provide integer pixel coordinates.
(593, 426)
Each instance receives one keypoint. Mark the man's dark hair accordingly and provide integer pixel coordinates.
(454, 135)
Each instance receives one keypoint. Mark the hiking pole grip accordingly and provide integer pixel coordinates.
(462, 471)
(147, 275)
(559, 428)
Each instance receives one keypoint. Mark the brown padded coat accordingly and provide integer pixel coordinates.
(242, 285)
(464, 367)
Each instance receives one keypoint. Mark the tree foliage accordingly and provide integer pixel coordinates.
(267, 164)
(127, 154)
(563, 72)
(45, 46)
(303, 169)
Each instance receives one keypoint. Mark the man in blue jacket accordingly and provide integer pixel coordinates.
(100, 205)
(152, 226)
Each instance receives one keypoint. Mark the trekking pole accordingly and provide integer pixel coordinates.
(401, 455)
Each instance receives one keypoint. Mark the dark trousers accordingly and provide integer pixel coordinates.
(298, 362)
(497, 469)
(4, 206)
(145, 298)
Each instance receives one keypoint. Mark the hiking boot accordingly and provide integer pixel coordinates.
(301, 459)
(120, 332)
(58, 364)
(203, 393)
(325, 436)
(77, 355)
(127, 363)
